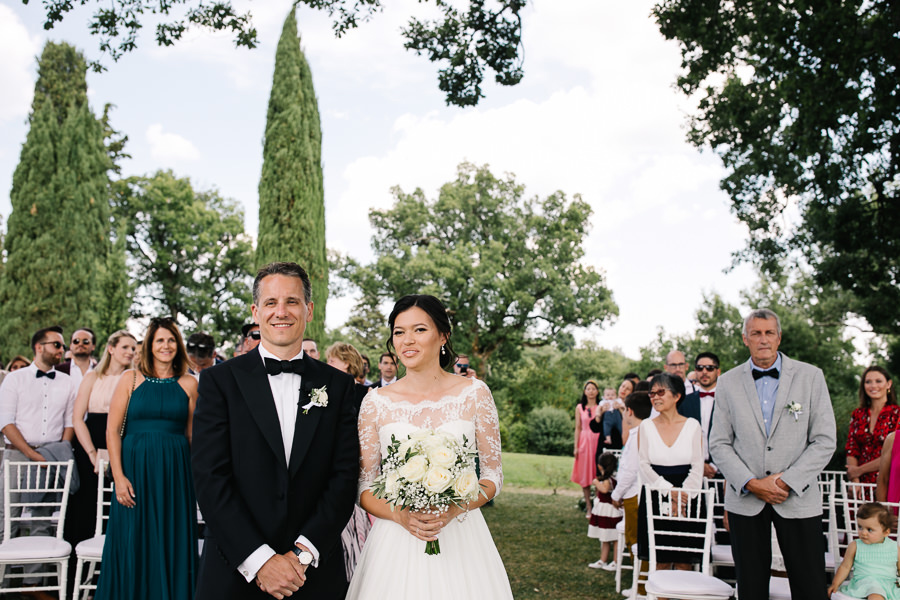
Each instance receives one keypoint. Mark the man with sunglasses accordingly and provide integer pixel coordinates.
(463, 367)
(250, 337)
(699, 404)
(201, 351)
(36, 404)
(81, 349)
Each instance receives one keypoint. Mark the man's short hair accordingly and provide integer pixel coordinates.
(640, 405)
(710, 355)
(389, 355)
(283, 268)
(654, 372)
(631, 375)
(201, 345)
(246, 327)
(761, 313)
(41, 334)
(90, 331)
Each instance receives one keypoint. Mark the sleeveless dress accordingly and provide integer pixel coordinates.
(874, 571)
(604, 517)
(393, 563)
(151, 550)
(585, 468)
(81, 515)
(663, 467)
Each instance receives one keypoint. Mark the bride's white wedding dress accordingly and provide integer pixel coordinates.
(393, 563)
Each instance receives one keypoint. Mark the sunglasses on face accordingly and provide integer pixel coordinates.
(56, 345)
(657, 393)
(162, 321)
(195, 346)
(462, 365)
(83, 342)
(709, 368)
(254, 335)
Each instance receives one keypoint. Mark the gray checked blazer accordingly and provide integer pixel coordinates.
(799, 447)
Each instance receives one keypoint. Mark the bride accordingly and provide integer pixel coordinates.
(393, 563)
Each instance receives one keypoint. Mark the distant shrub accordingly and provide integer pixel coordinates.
(550, 431)
(518, 438)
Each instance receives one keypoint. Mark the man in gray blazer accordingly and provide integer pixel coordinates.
(773, 434)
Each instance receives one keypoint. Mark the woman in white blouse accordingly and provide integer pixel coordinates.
(670, 455)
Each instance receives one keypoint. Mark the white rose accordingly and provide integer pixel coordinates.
(466, 485)
(420, 434)
(392, 484)
(403, 448)
(433, 441)
(441, 456)
(414, 469)
(437, 479)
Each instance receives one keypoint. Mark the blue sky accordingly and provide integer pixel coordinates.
(595, 115)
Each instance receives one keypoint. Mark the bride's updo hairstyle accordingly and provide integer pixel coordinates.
(438, 313)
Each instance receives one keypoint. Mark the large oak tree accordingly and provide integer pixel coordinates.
(801, 100)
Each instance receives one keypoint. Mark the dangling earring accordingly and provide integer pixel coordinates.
(443, 350)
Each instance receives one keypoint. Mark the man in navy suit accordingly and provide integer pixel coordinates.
(275, 456)
(700, 403)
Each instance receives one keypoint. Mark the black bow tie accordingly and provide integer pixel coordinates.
(277, 367)
(48, 374)
(773, 373)
(713, 394)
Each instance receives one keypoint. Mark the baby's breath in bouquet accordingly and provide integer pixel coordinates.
(426, 473)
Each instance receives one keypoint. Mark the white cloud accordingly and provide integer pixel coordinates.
(17, 69)
(169, 146)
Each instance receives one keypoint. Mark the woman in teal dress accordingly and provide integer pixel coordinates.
(151, 540)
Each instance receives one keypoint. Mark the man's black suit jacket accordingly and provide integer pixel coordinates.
(250, 496)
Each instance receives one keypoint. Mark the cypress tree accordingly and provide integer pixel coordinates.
(57, 240)
(291, 192)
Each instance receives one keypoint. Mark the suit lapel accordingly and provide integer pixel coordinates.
(305, 425)
(784, 389)
(752, 396)
(253, 382)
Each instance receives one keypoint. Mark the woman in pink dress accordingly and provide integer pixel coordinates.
(586, 441)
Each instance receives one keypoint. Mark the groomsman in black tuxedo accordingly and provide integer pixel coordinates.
(275, 456)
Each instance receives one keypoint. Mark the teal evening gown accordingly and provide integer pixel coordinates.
(151, 550)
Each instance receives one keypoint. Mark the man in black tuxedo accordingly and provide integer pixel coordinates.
(275, 464)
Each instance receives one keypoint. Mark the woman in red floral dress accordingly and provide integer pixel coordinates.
(866, 436)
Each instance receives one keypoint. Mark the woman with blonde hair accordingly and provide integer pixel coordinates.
(94, 396)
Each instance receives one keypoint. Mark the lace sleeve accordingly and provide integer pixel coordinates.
(369, 445)
(487, 436)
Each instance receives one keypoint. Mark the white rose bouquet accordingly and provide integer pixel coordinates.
(426, 473)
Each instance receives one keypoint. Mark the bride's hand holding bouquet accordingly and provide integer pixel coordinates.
(432, 475)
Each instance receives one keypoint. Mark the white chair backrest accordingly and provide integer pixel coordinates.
(836, 477)
(851, 507)
(663, 520)
(30, 485)
(718, 488)
(105, 495)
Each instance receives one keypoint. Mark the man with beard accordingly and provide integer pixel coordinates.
(36, 404)
(82, 360)
(699, 404)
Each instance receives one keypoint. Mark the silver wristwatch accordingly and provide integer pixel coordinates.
(303, 556)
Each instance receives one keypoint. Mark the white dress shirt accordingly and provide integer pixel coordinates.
(286, 391)
(706, 409)
(40, 407)
(628, 481)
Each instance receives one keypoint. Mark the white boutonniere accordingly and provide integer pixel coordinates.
(795, 409)
(317, 397)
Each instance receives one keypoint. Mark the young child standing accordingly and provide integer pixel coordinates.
(604, 516)
(873, 557)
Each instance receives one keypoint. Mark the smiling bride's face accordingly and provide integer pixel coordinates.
(416, 338)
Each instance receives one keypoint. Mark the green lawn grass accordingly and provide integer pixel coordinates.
(543, 541)
(538, 472)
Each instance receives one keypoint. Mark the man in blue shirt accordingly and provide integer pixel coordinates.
(772, 435)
